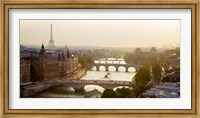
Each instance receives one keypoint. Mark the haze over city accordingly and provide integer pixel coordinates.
(102, 33)
(100, 59)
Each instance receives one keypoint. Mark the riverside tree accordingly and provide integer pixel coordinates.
(142, 77)
(109, 93)
(118, 93)
(85, 60)
(156, 71)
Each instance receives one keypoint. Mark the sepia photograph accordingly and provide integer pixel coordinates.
(98, 58)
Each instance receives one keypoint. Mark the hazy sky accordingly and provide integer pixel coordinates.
(103, 33)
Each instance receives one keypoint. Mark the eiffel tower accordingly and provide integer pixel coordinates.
(51, 41)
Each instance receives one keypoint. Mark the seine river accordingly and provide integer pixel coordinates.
(92, 74)
(115, 76)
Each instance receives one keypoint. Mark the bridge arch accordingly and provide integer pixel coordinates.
(102, 68)
(112, 68)
(131, 69)
(91, 87)
(122, 69)
(94, 68)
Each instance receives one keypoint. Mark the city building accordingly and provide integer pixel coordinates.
(163, 90)
(48, 65)
(52, 66)
(172, 75)
(24, 72)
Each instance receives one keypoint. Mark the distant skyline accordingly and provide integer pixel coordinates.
(102, 33)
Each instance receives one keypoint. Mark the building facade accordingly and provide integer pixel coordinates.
(53, 66)
(24, 72)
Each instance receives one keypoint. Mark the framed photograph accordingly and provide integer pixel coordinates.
(100, 58)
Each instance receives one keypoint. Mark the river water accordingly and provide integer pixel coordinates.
(115, 76)
(98, 75)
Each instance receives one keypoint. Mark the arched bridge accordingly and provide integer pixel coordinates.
(107, 65)
(77, 84)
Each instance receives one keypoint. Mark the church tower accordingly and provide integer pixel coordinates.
(51, 41)
(42, 62)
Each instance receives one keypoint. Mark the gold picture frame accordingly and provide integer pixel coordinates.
(4, 48)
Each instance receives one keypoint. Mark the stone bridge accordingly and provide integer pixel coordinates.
(34, 89)
(107, 65)
(77, 84)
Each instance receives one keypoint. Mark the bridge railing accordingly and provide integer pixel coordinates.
(93, 82)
